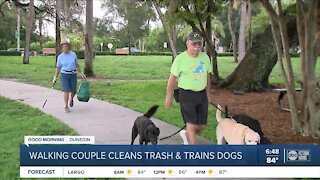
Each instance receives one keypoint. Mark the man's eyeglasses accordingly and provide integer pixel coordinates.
(199, 43)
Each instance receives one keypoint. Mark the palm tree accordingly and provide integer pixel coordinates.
(242, 31)
(29, 26)
(58, 28)
(88, 67)
(233, 34)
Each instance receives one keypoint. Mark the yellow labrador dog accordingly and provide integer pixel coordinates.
(233, 132)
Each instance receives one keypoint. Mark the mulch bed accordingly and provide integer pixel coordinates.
(275, 123)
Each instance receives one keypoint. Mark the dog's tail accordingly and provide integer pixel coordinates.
(151, 111)
(218, 113)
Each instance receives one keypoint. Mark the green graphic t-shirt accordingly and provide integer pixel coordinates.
(191, 72)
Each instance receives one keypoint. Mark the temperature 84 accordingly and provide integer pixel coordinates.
(272, 160)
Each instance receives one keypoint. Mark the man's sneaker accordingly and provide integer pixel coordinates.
(184, 137)
(71, 103)
(66, 109)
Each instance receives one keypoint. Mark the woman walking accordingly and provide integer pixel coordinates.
(67, 66)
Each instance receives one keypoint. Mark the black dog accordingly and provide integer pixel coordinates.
(147, 131)
(252, 124)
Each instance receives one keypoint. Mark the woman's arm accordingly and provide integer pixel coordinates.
(57, 72)
(82, 75)
(78, 68)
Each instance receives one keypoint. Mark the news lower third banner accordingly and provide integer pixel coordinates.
(73, 156)
(169, 155)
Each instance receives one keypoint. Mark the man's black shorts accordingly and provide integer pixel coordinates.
(194, 106)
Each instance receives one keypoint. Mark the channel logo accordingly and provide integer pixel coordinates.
(298, 155)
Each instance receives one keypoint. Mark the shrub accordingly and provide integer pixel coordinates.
(151, 54)
(50, 44)
(104, 53)
(225, 54)
(10, 53)
(295, 54)
(81, 55)
(112, 53)
(35, 46)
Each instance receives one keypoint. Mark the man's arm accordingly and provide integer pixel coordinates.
(208, 86)
(170, 87)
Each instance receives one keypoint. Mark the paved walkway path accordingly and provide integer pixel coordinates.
(109, 123)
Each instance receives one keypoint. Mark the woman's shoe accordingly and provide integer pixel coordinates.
(66, 109)
(71, 103)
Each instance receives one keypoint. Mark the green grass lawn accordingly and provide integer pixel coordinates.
(132, 67)
(41, 69)
(16, 121)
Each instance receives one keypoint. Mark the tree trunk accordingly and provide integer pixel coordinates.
(242, 31)
(248, 26)
(211, 52)
(173, 4)
(166, 29)
(40, 32)
(129, 41)
(58, 29)
(233, 35)
(252, 74)
(29, 26)
(292, 97)
(313, 107)
(18, 29)
(174, 35)
(88, 68)
(308, 26)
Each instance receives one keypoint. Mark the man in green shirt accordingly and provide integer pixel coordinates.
(191, 70)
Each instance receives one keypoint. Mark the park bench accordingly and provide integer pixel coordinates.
(122, 51)
(46, 51)
(282, 93)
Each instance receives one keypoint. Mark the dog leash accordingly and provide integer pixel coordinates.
(224, 112)
(167, 137)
